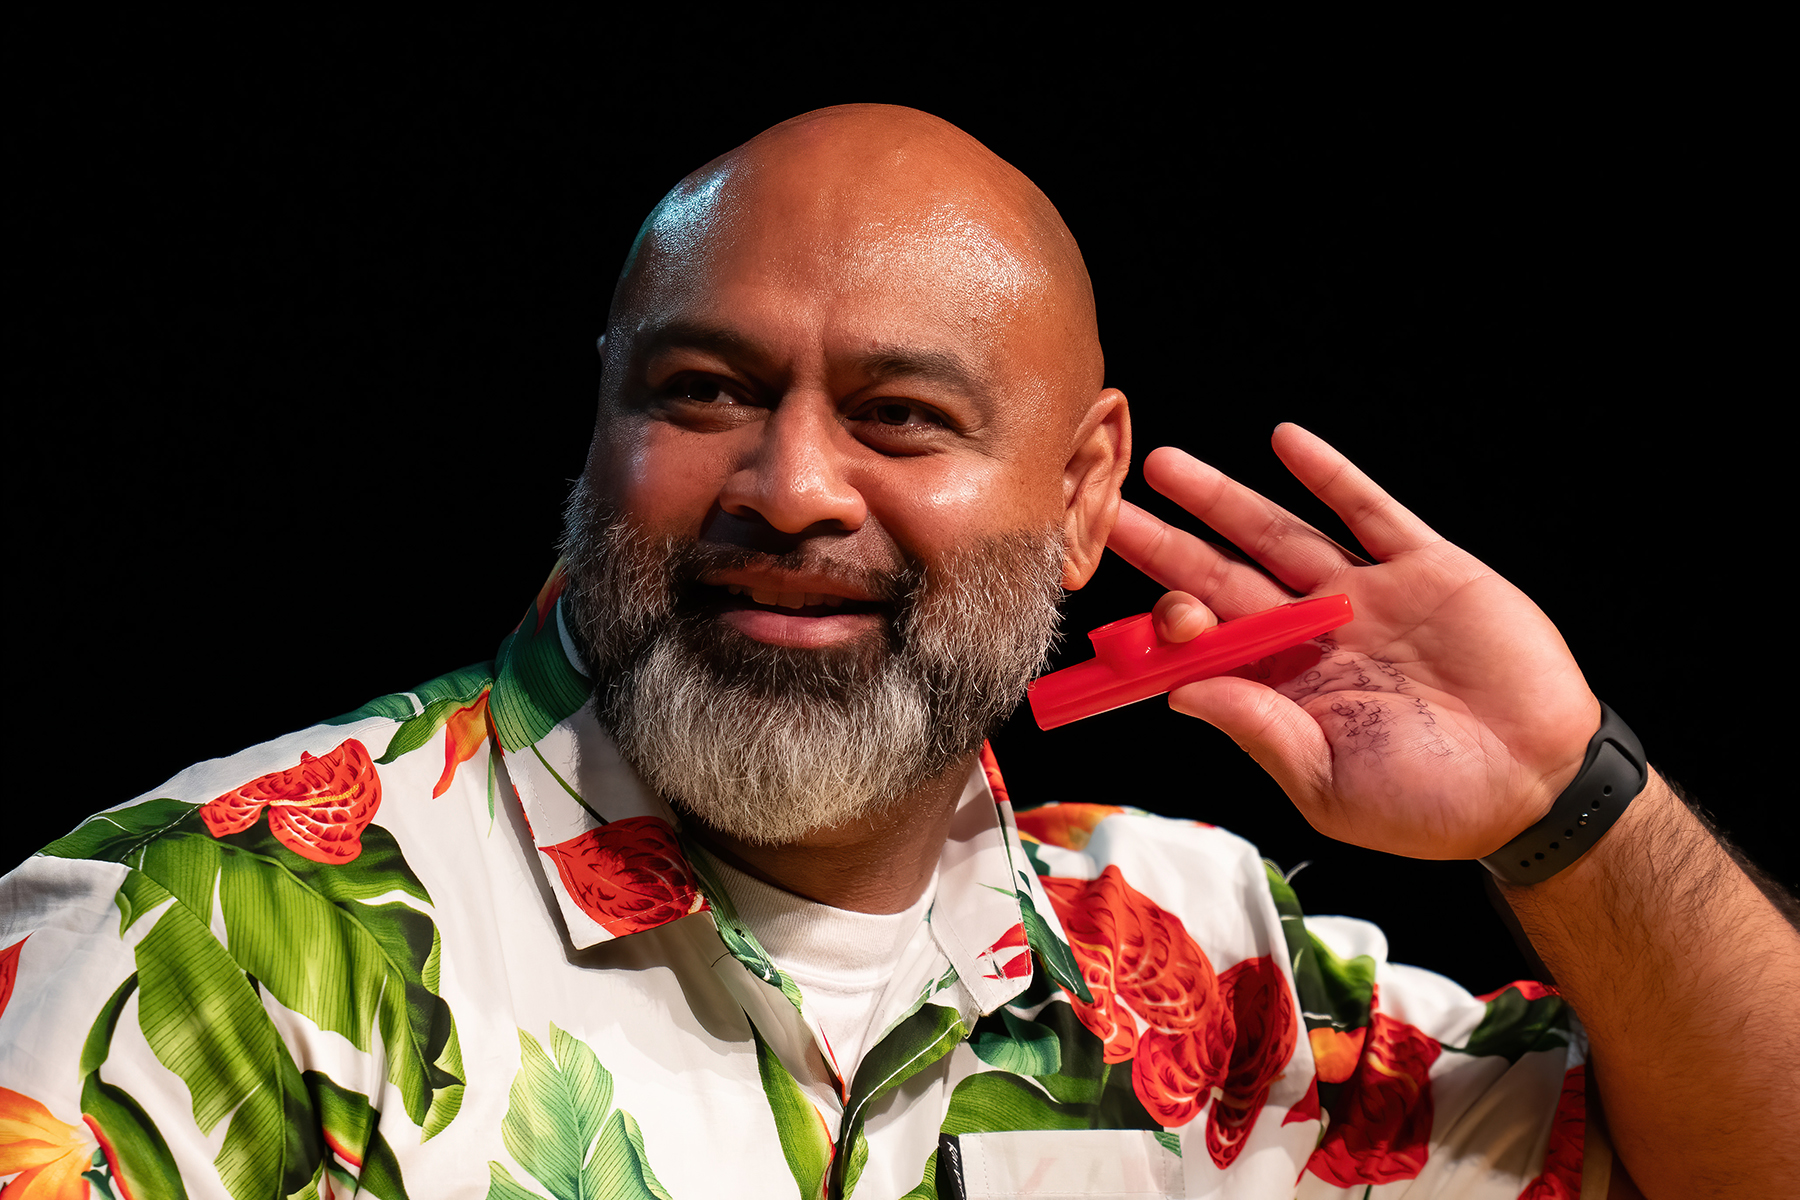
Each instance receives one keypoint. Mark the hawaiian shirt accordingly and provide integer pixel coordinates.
(448, 944)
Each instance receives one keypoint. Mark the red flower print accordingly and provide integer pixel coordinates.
(1174, 1074)
(1336, 1051)
(9, 971)
(1561, 1179)
(1382, 1119)
(628, 875)
(1140, 964)
(1530, 989)
(1266, 1031)
(1066, 825)
(464, 733)
(318, 808)
(990, 766)
(1307, 1108)
(1013, 946)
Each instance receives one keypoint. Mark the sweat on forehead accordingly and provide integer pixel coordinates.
(886, 195)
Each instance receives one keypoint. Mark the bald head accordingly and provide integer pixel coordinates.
(859, 328)
(886, 195)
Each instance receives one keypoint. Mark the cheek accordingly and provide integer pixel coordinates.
(658, 484)
(956, 503)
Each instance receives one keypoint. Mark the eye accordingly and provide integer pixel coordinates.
(898, 414)
(893, 413)
(696, 388)
(900, 426)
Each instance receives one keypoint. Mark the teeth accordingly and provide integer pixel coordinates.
(785, 599)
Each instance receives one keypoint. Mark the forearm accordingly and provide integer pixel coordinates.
(1684, 974)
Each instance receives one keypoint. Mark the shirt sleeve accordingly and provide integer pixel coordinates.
(1423, 1089)
(140, 1048)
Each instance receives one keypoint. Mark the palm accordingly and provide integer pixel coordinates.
(1437, 724)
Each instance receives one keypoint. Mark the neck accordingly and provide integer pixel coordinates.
(877, 864)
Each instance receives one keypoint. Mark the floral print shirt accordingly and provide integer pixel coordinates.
(448, 945)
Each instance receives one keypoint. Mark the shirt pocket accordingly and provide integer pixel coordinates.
(1056, 1164)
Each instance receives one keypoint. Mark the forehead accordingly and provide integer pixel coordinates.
(857, 261)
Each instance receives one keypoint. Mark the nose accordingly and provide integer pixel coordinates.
(794, 477)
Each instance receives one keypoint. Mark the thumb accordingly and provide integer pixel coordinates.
(1270, 728)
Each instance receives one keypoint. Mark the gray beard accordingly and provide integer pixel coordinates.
(767, 744)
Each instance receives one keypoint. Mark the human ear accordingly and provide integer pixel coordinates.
(1099, 457)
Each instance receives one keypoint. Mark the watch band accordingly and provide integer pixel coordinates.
(1612, 774)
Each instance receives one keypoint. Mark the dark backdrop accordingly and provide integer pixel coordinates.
(308, 359)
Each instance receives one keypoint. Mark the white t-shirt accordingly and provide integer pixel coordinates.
(841, 959)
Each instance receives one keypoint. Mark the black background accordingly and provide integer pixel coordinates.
(308, 358)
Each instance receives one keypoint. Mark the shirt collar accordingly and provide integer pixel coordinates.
(620, 868)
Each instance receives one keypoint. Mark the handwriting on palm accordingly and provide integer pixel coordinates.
(1438, 724)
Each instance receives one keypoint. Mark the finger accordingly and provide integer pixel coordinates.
(1381, 523)
(1267, 726)
(1179, 617)
(1180, 561)
(1290, 549)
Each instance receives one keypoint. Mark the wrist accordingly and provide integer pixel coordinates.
(1612, 773)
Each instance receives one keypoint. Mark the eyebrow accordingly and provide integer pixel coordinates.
(933, 366)
(884, 362)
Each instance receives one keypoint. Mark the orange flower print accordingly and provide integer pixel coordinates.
(1561, 1179)
(318, 808)
(1141, 965)
(1382, 1119)
(628, 875)
(1336, 1051)
(49, 1155)
(550, 593)
(465, 731)
(9, 971)
(1266, 1031)
(1066, 825)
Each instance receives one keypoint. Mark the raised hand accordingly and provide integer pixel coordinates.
(1440, 723)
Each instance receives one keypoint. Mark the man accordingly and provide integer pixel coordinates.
(767, 922)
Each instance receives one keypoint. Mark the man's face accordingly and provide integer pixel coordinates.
(822, 518)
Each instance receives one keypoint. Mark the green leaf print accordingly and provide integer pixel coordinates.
(908, 1048)
(1025, 1048)
(736, 935)
(806, 1140)
(314, 935)
(535, 686)
(145, 1168)
(444, 694)
(1514, 1026)
(1080, 1080)
(204, 1022)
(995, 1100)
(558, 1129)
(438, 699)
(1051, 950)
(1334, 992)
(351, 1127)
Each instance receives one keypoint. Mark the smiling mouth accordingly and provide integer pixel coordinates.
(794, 604)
